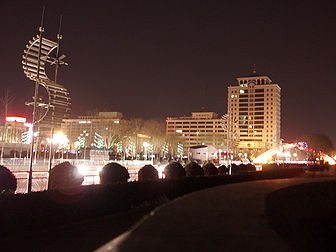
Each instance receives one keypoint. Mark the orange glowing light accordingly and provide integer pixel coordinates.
(143, 135)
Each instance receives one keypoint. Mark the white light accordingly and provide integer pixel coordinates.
(77, 144)
(287, 154)
(160, 171)
(82, 169)
(145, 144)
(60, 138)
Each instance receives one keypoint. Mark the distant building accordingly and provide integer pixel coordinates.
(13, 129)
(88, 130)
(254, 106)
(201, 128)
(202, 153)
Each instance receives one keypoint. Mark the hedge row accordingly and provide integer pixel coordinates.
(40, 210)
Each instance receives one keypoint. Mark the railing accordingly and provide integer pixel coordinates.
(20, 166)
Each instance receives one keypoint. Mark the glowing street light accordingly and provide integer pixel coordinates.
(60, 139)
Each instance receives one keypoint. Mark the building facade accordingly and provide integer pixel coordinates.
(92, 131)
(201, 128)
(254, 109)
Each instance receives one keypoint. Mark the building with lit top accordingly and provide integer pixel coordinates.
(84, 128)
(201, 128)
(13, 129)
(254, 109)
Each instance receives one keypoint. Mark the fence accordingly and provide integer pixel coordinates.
(89, 168)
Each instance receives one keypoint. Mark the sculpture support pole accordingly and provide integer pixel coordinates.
(30, 174)
(50, 155)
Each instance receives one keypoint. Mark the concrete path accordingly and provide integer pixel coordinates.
(224, 218)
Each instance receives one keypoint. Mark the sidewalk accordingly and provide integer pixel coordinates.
(224, 218)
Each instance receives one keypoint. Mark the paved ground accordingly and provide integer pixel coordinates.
(224, 218)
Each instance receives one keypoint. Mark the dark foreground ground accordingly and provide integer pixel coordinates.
(82, 236)
(305, 215)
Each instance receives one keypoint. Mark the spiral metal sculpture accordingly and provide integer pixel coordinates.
(58, 105)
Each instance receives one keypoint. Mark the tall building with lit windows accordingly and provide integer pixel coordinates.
(254, 106)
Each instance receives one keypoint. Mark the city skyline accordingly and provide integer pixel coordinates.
(149, 59)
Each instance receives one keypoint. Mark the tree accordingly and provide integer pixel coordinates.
(193, 169)
(65, 175)
(319, 142)
(148, 172)
(7, 180)
(113, 173)
(6, 99)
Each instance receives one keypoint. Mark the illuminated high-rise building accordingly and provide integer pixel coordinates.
(254, 106)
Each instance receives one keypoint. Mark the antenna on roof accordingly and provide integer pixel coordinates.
(254, 68)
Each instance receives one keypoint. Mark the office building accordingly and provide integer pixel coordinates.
(201, 128)
(254, 109)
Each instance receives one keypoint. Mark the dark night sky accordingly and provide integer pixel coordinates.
(168, 58)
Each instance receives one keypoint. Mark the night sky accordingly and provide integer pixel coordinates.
(154, 59)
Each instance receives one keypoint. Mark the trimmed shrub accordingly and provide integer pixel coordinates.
(223, 170)
(193, 169)
(65, 175)
(7, 180)
(174, 170)
(210, 169)
(251, 167)
(148, 172)
(234, 169)
(113, 173)
(269, 167)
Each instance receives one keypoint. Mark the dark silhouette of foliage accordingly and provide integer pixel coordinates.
(148, 172)
(113, 173)
(250, 167)
(65, 175)
(174, 170)
(193, 169)
(319, 142)
(210, 169)
(7, 180)
(223, 170)
(242, 168)
(234, 169)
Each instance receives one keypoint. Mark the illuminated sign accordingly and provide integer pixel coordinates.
(16, 119)
(302, 145)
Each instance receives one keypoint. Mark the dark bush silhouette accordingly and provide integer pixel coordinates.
(234, 169)
(174, 170)
(7, 180)
(65, 175)
(113, 173)
(210, 169)
(223, 170)
(148, 172)
(251, 167)
(268, 167)
(317, 167)
(193, 169)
